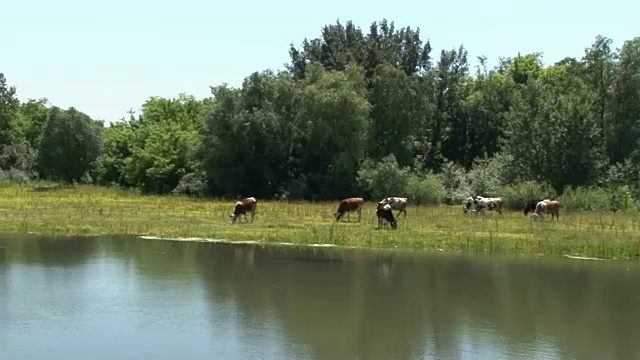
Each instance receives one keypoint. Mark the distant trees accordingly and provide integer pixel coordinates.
(356, 108)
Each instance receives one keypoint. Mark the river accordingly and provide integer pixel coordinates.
(131, 298)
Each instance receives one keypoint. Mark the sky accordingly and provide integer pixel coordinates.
(105, 58)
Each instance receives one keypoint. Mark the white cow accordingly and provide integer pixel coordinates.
(482, 204)
(396, 203)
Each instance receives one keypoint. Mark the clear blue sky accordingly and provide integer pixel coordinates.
(106, 57)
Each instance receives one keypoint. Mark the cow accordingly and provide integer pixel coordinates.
(489, 204)
(397, 203)
(242, 207)
(482, 204)
(546, 207)
(470, 203)
(530, 206)
(385, 216)
(348, 206)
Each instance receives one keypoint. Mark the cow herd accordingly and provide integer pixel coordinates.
(537, 207)
(384, 210)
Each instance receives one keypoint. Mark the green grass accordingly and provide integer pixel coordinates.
(89, 210)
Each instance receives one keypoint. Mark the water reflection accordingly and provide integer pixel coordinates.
(165, 299)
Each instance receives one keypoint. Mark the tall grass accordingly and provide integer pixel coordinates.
(95, 210)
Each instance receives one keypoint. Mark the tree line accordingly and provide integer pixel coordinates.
(360, 112)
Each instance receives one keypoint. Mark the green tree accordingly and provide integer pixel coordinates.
(250, 138)
(9, 106)
(599, 72)
(553, 135)
(396, 116)
(70, 145)
(486, 108)
(626, 97)
(32, 118)
(164, 143)
(116, 152)
(333, 117)
(341, 45)
(449, 134)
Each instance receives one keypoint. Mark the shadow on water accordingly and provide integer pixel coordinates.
(328, 303)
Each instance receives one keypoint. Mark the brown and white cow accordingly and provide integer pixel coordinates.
(546, 207)
(396, 203)
(242, 207)
(482, 204)
(348, 206)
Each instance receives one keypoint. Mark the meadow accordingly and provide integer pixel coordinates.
(90, 210)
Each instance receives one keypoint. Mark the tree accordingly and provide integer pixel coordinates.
(398, 106)
(625, 125)
(599, 73)
(341, 45)
(163, 146)
(552, 134)
(449, 135)
(70, 145)
(9, 105)
(116, 152)
(333, 117)
(249, 139)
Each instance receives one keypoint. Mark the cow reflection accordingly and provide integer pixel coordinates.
(386, 264)
(245, 254)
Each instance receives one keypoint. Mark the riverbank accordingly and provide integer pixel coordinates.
(89, 210)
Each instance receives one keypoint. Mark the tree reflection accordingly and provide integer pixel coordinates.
(347, 305)
(48, 251)
(352, 303)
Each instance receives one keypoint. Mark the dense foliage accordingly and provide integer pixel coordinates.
(362, 113)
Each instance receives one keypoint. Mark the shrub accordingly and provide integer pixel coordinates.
(192, 184)
(625, 173)
(516, 195)
(485, 177)
(14, 175)
(621, 199)
(454, 182)
(583, 198)
(384, 178)
(293, 189)
(425, 188)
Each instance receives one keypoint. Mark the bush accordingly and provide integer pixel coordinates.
(625, 173)
(621, 199)
(192, 184)
(425, 188)
(516, 195)
(584, 198)
(14, 176)
(486, 177)
(384, 178)
(454, 182)
(293, 189)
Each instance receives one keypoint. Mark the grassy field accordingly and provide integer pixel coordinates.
(87, 210)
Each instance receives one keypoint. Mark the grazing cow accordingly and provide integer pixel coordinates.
(242, 207)
(470, 203)
(546, 207)
(385, 216)
(348, 206)
(482, 204)
(530, 206)
(489, 204)
(397, 203)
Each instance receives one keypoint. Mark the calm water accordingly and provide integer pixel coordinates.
(128, 298)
